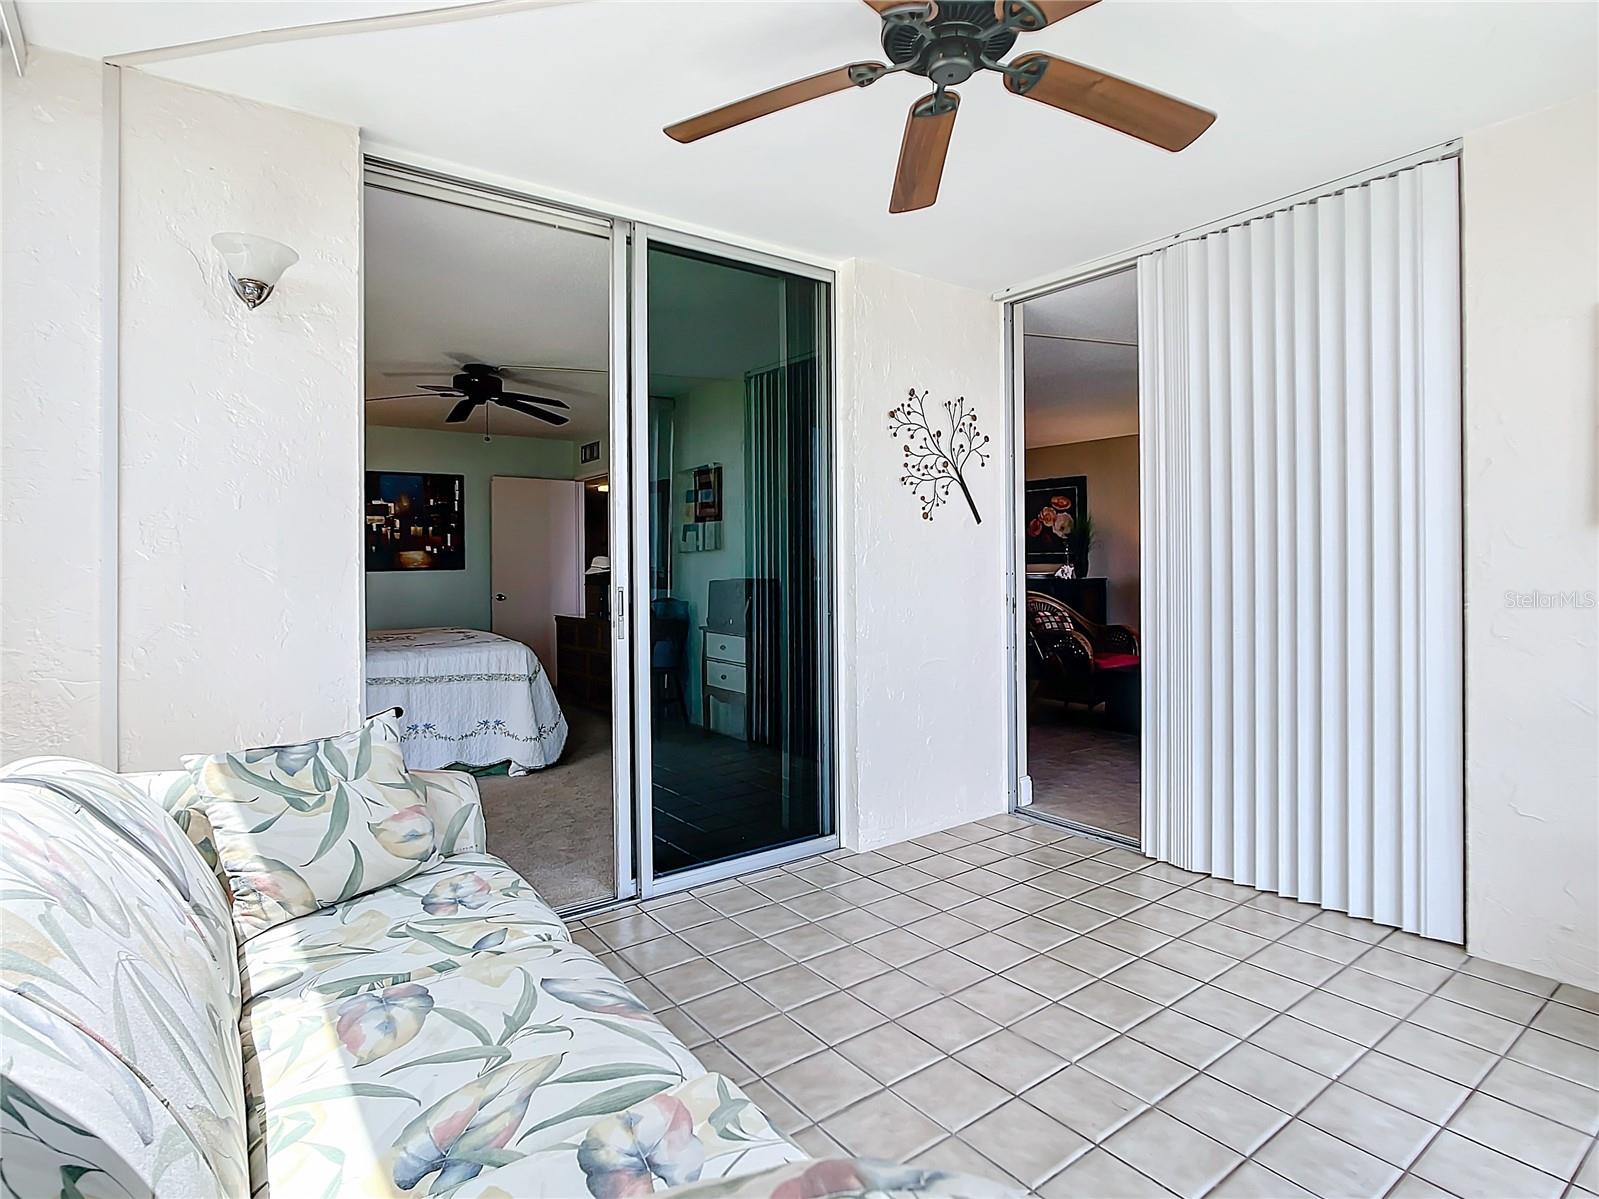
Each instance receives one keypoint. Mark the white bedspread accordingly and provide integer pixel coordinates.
(468, 696)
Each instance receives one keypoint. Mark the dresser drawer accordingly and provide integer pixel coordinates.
(725, 676)
(724, 647)
(583, 632)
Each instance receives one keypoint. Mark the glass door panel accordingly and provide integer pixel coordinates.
(735, 720)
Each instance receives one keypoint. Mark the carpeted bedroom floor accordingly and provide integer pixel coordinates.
(555, 826)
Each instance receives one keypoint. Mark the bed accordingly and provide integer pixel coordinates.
(469, 697)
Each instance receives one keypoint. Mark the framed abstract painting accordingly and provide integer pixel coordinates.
(415, 521)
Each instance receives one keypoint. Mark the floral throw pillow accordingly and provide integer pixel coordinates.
(303, 827)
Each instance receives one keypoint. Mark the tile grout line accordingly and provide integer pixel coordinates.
(1592, 1154)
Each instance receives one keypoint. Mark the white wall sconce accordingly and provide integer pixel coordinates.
(255, 264)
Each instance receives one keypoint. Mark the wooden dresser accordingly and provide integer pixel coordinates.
(1086, 596)
(583, 661)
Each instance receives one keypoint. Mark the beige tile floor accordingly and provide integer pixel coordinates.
(1075, 1019)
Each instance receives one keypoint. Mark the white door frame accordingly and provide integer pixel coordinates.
(639, 602)
(1019, 784)
(620, 481)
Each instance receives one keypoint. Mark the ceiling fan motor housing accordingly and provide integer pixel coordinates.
(951, 47)
(478, 378)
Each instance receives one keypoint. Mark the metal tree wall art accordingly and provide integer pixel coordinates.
(935, 460)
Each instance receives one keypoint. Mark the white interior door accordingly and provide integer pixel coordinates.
(536, 542)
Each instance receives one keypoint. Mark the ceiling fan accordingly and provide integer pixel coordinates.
(477, 383)
(948, 42)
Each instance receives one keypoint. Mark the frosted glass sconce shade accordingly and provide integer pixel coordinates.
(255, 264)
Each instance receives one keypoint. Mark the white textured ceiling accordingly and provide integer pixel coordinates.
(108, 28)
(572, 99)
(443, 279)
(1084, 389)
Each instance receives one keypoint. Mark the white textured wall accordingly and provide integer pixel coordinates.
(241, 613)
(920, 613)
(52, 552)
(1531, 259)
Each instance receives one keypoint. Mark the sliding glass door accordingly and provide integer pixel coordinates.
(732, 428)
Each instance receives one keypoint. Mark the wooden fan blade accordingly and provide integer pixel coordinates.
(542, 367)
(779, 98)
(415, 395)
(548, 403)
(883, 6)
(922, 150)
(440, 389)
(549, 418)
(1119, 104)
(1026, 17)
(461, 411)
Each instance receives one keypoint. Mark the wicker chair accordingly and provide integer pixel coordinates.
(1070, 657)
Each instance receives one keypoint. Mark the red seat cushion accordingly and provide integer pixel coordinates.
(1114, 661)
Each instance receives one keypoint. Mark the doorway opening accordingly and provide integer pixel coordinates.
(1078, 572)
(488, 329)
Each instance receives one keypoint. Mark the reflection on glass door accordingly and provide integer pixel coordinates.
(735, 471)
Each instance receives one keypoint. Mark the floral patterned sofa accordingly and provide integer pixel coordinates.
(441, 1035)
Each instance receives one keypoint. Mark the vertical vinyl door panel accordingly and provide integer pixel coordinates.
(1300, 401)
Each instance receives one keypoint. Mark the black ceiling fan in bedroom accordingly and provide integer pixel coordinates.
(474, 384)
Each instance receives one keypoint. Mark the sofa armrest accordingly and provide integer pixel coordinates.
(174, 791)
(457, 809)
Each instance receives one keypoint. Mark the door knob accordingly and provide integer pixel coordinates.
(500, 596)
